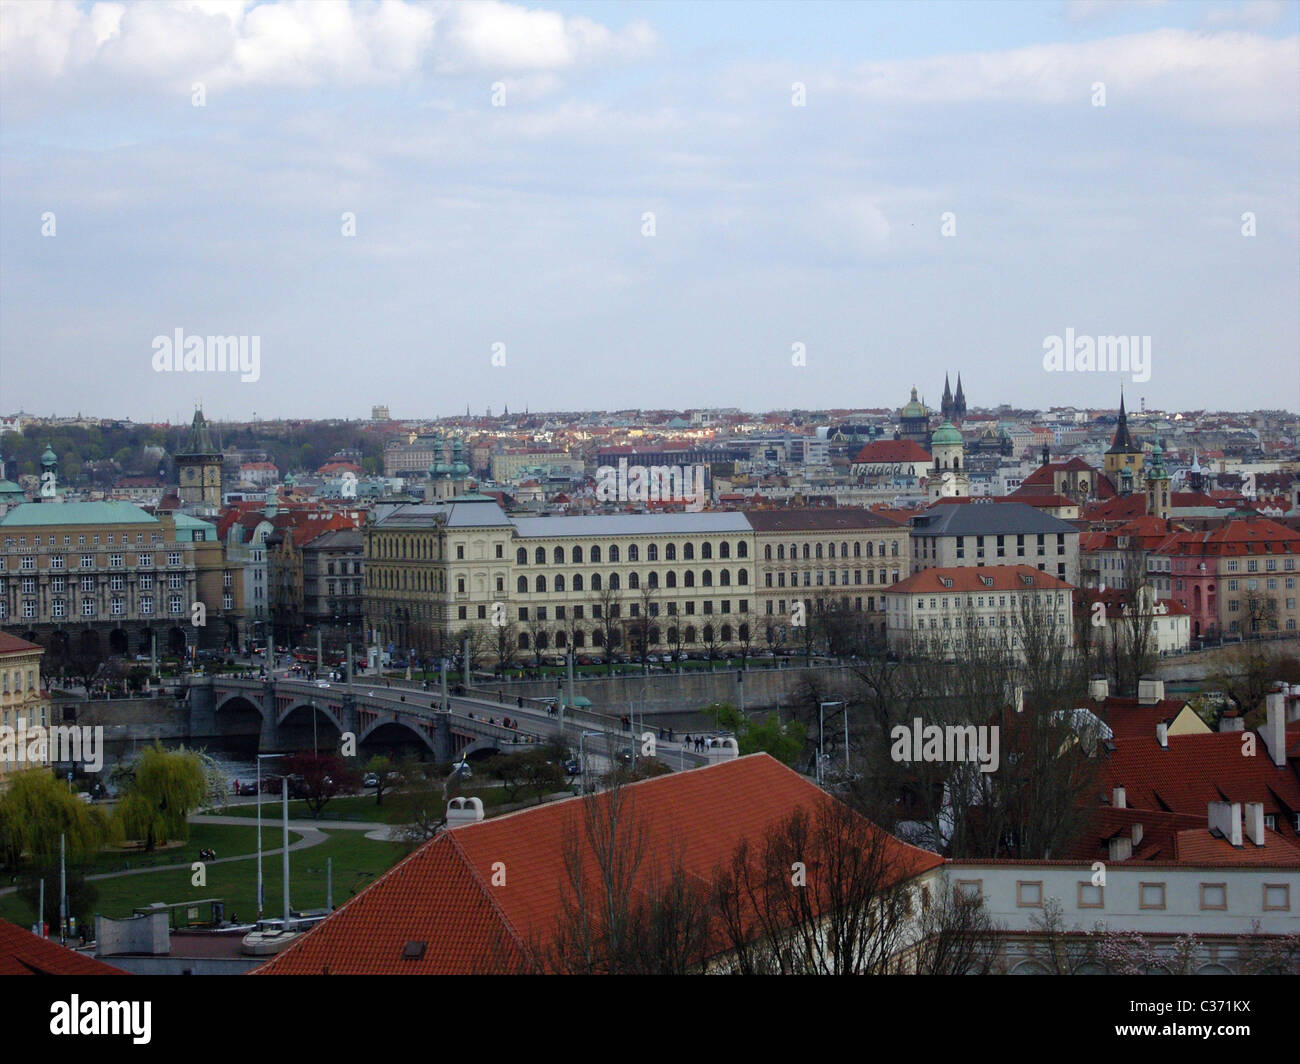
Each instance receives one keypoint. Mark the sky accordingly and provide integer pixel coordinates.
(571, 206)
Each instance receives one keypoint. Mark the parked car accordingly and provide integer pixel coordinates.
(462, 769)
(371, 780)
(573, 768)
(245, 788)
(322, 683)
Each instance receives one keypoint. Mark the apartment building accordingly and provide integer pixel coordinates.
(944, 611)
(687, 581)
(1237, 578)
(332, 576)
(113, 568)
(22, 702)
(994, 533)
(842, 558)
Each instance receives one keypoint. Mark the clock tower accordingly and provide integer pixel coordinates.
(198, 468)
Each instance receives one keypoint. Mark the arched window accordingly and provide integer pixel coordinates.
(597, 637)
(672, 635)
(579, 638)
(706, 579)
(521, 556)
(613, 581)
(671, 579)
(613, 553)
(724, 578)
(595, 581)
(541, 640)
(541, 584)
(633, 553)
(830, 549)
(560, 638)
(690, 633)
(523, 640)
(805, 552)
(724, 549)
(706, 550)
(893, 549)
(742, 576)
(690, 578)
(577, 581)
(780, 552)
(595, 555)
(688, 552)
(633, 581)
(871, 550)
(670, 552)
(708, 633)
(559, 582)
(857, 549)
(539, 556)
(742, 549)
(726, 633)
(744, 632)
(844, 550)
(652, 552)
(767, 552)
(558, 555)
(653, 578)
(522, 585)
(577, 555)
(819, 550)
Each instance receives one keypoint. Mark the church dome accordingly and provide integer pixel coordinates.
(914, 408)
(946, 435)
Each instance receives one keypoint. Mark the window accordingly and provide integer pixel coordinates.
(1091, 896)
(146, 604)
(1214, 896)
(1277, 897)
(1029, 894)
(970, 889)
(1151, 895)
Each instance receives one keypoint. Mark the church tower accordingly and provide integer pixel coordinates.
(1124, 459)
(198, 468)
(948, 475)
(1157, 484)
(959, 403)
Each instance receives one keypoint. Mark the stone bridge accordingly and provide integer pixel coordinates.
(286, 715)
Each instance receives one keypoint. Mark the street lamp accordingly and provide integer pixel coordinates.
(821, 737)
(259, 829)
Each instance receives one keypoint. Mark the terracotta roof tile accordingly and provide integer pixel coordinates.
(22, 953)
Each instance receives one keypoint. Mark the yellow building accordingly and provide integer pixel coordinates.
(22, 703)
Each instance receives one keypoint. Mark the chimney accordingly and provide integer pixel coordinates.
(1275, 727)
(1099, 690)
(1254, 822)
(1137, 835)
(1118, 800)
(1150, 692)
(1293, 704)
(464, 811)
(1121, 848)
(1162, 735)
(1225, 820)
(1229, 721)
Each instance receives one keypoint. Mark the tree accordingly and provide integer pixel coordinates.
(507, 639)
(618, 918)
(323, 777)
(955, 934)
(420, 808)
(82, 894)
(165, 788)
(822, 893)
(605, 609)
(386, 773)
(85, 657)
(785, 742)
(36, 809)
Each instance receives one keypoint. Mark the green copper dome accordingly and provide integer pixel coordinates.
(914, 408)
(946, 435)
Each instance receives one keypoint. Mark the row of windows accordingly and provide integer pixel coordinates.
(821, 574)
(116, 606)
(1252, 565)
(633, 553)
(154, 537)
(59, 584)
(815, 550)
(560, 638)
(27, 562)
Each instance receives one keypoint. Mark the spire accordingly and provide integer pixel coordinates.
(1122, 443)
(961, 396)
(947, 389)
(200, 439)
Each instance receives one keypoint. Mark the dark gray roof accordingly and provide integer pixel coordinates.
(486, 513)
(339, 539)
(989, 518)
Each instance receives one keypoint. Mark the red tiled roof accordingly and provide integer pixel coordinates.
(22, 953)
(1200, 847)
(1129, 718)
(888, 451)
(1198, 769)
(11, 644)
(443, 895)
(968, 578)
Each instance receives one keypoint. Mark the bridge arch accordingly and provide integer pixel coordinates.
(390, 732)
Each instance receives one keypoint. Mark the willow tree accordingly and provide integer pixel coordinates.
(165, 787)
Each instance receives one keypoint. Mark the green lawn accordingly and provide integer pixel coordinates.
(226, 840)
(346, 807)
(236, 883)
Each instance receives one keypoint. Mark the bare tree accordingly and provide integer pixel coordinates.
(954, 933)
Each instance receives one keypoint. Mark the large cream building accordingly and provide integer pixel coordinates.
(686, 581)
(23, 705)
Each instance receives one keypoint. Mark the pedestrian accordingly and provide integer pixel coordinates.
(670, 735)
(519, 701)
(687, 740)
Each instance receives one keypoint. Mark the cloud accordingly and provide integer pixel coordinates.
(296, 43)
(1093, 10)
(1253, 14)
